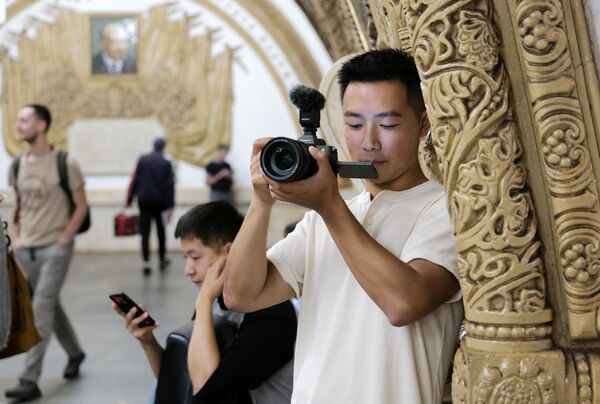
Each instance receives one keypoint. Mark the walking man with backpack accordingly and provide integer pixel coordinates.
(50, 209)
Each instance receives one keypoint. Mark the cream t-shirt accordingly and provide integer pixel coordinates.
(346, 349)
(43, 205)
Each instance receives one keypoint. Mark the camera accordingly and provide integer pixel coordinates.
(285, 160)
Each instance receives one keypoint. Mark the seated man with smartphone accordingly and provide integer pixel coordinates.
(255, 365)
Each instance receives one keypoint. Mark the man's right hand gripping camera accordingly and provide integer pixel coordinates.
(285, 160)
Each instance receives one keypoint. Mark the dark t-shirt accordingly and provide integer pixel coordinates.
(224, 184)
(153, 181)
(263, 343)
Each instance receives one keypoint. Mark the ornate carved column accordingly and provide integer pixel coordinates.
(476, 150)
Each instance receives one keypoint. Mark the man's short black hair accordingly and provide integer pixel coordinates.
(213, 223)
(384, 65)
(41, 112)
(159, 144)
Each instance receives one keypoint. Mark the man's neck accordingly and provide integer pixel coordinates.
(397, 185)
(40, 147)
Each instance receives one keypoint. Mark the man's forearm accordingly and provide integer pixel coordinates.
(246, 268)
(153, 352)
(75, 221)
(211, 179)
(203, 353)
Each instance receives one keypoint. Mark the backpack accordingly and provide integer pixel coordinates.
(63, 175)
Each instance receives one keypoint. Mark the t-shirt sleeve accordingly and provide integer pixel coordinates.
(263, 344)
(432, 239)
(75, 176)
(289, 255)
(211, 168)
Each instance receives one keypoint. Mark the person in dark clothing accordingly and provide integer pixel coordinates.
(219, 176)
(255, 365)
(153, 184)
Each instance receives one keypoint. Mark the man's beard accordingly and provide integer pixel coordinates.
(30, 138)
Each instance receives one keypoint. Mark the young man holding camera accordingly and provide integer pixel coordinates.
(377, 274)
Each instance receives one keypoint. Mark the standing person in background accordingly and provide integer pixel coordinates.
(43, 236)
(219, 176)
(153, 184)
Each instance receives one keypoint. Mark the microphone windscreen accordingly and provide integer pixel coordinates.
(304, 98)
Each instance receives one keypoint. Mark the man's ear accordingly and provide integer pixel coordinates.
(424, 127)
(40, 125)
(225, 248)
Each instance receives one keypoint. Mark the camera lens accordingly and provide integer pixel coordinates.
(282, 159)
(285, 160)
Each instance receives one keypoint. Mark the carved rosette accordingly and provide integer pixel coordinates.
(561, 134)
(478, 155)
(522, 382)
(528, 378)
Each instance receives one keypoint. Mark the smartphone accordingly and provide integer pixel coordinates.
(126, 303)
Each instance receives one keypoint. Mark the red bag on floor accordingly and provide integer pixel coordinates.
(126, 224)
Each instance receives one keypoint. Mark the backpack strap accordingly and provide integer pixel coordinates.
(16, 164)
(63, 175)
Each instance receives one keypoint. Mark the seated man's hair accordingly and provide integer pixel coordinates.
(384, 65)
(213, 223)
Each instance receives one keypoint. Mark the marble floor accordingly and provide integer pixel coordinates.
(115, 370)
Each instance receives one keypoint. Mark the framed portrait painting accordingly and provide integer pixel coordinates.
(114, 42)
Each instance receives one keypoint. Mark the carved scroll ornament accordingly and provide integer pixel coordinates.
(563, 143)
(478, 156)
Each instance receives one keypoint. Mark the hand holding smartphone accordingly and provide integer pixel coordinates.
(125, 303)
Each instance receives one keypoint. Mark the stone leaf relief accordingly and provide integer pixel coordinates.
(479, 155)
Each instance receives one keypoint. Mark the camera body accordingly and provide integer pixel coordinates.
(285, 160)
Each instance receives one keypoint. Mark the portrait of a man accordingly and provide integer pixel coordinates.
(114, 45)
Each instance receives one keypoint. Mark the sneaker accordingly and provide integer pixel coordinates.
(25, 391)
(72, 368)
(146, 271)
(164, 264)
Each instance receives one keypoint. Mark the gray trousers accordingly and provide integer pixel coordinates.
(46, 269)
